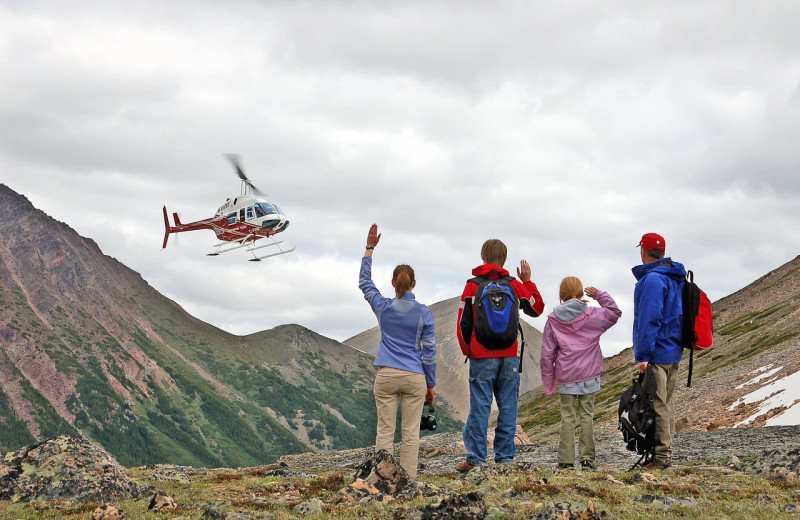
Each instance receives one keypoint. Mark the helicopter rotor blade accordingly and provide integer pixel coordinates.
(234, 159)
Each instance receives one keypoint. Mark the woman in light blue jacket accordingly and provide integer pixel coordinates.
(571, 357)
(406, 358)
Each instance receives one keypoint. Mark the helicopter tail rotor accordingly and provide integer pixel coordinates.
(167, 228)
(234, 159)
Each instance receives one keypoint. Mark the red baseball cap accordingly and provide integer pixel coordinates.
(652, 242)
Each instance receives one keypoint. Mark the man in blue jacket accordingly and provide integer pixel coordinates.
(657, 319)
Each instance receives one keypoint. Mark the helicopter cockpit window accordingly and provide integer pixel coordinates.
(249, 212)
(265, 208)
(231, 218)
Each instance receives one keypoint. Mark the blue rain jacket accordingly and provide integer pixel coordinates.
(658, 311)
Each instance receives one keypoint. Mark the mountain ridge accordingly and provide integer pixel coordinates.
(87, 345)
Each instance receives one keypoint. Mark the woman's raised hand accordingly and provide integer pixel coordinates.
(373, 237)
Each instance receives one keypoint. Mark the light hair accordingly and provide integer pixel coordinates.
(494, 252)
(403, 278)
(571, 287)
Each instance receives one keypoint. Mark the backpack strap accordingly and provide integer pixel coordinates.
(690, 279)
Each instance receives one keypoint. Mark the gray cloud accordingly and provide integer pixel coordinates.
(567, 130)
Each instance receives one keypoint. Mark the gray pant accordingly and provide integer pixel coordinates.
(665, 375)
(576, 410)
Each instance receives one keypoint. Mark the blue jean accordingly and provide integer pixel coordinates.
(498, 378)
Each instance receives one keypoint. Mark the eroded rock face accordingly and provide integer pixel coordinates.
(66, 468)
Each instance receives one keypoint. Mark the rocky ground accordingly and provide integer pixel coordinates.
(68, 477)
(441, 452)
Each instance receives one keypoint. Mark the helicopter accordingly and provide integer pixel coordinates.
(240, 221)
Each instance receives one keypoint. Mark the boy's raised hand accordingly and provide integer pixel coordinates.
(524, 271)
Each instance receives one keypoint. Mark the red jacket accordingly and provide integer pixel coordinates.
(530, 302)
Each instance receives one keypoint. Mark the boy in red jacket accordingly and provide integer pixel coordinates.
(493, 373)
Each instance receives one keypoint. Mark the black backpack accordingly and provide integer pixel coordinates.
(637, 418)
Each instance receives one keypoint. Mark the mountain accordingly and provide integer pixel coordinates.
(452, 374)
(88, 346)
(748, 378)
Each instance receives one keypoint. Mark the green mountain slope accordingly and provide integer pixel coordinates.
(87, 345)
(756, 327)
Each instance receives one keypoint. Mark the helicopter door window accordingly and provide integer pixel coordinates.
(241, 215)
(250, 213)
(260, 210)
(231, 218)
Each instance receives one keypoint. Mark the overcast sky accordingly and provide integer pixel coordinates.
(566, 129)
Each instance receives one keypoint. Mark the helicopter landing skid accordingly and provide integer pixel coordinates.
(249, 242)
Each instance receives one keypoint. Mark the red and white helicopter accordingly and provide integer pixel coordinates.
(240, 221)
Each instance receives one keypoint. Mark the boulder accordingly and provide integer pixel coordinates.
(66, 468)
(383, 471)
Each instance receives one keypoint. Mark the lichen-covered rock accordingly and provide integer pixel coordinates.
(569, 511)
(383, 471)
(780, 464)
(469, 506)
(66, 468)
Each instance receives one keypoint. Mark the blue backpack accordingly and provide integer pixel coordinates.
(496, 312)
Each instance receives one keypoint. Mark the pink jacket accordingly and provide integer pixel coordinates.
(571, 347)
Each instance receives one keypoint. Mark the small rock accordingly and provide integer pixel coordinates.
(734, 461)
(469, 506)
(309, 507)
(360, 491)
(107, 512)
(614, 481)
(667, 501)
(644, 477)
(570, 511)
(162, 502)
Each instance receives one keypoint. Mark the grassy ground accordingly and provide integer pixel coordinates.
(691, 492)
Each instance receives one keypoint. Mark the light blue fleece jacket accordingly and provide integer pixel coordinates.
(407, 333)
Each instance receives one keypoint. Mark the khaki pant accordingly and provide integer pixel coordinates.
(408, 388)
(576, 410)
(665, 375)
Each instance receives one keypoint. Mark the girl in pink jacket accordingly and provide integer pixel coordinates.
(572, 358)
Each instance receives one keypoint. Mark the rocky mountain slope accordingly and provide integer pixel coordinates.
(86, 345)
(748, 378)
(451, 372)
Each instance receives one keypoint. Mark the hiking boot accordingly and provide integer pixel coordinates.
(587, 465)
(657, 465)
(464, 466)
(564, 465)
